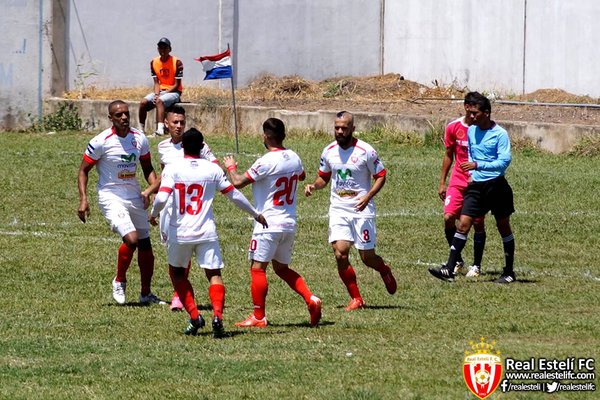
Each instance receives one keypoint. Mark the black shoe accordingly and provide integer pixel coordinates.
(194, 326)
(442, 273)
(506, 277)
(217, 325)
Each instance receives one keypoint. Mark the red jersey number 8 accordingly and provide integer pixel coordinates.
(195, 199)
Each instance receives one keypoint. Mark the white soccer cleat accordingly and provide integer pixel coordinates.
(474, 271)
(119, 291)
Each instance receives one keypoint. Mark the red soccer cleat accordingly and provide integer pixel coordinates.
(314, 309)
(389, 281)
(355, 304)
(252, 321)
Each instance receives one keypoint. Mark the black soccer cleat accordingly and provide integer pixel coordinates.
(443, 273)
(217, 326)
(506, 278)
(194, 326)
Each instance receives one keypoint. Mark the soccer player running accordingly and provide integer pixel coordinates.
(455, 140)
(170, 150)
(488, 190)
(274, 178)
(115, 152)
(352, 162)
(193, 182)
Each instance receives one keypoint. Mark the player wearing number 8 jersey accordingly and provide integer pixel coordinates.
(274, 178)
(349, 163)
(193, 183)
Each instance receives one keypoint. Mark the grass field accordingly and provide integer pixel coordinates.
(62, 337)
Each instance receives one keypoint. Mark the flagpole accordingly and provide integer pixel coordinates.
(237, 146)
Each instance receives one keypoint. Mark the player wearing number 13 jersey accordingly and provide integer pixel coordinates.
(193, 182)
(349, 164)
(274, 178)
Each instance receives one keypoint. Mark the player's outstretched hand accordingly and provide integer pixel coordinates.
(261, 220)
(84, 210)
(153, 221)
(230, 163)
(146, 197)
(308, 189)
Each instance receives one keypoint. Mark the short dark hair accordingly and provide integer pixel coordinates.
(175, 109)
(274, 128)
(192, 142)
(114, 104)
(478, 100)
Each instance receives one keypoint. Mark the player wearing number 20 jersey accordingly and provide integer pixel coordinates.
(274, 178)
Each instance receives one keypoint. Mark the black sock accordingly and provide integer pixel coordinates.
(478, 246)
(450, 232)
(509, 253)
(458, 243)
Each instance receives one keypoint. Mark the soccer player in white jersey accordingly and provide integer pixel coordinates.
(274, 178)
(349, 163)
(192, 182)
(115, 152)
(170, 150)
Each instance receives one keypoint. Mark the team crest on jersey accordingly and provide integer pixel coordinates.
(134, 143)
(460, 134)
(482, 368)
(354, 159)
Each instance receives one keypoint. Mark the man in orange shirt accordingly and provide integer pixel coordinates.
(167, 72)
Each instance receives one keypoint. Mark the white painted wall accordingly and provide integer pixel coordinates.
(508, 46)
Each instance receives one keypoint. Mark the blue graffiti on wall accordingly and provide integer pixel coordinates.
(6, 75)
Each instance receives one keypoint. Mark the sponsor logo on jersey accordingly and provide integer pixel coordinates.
(344, 174)
(128, 158)
(126, 174)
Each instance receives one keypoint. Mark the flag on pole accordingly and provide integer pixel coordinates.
(217, 66)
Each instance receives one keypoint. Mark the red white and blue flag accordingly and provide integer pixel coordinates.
(217, 66)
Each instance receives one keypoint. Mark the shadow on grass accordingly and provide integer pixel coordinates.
(302, 324)
(377, 307)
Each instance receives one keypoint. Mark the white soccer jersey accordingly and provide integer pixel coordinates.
(275, 179)
(193, 183)
(116, 159)
(169, 152)
(351, 171)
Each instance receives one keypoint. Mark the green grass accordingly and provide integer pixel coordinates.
(63, 338)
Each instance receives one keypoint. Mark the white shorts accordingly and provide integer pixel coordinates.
(208, 254)
(360, 231)
(125, 216)
(168, 98)
(268, 246)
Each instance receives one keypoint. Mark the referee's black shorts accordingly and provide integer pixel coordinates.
(494, 195)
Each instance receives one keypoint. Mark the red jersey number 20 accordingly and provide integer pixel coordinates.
(194, 192)
(287, 192)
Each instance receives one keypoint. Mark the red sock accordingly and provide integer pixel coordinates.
(123, 262)
(184, 290)
(146, 263)
(295, 281)
(349, 278)
(216, 293)
(259, 288)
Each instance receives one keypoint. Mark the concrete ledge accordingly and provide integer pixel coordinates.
(556, 138)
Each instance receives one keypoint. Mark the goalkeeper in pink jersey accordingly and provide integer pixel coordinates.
(274, 178)
(192, 182)
(457, 144)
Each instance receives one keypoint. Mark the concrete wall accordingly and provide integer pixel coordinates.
(508, 46)
(26, 59)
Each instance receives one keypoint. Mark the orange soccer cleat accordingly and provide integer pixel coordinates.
(355, 304)
(252, 321)
(314, 309)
